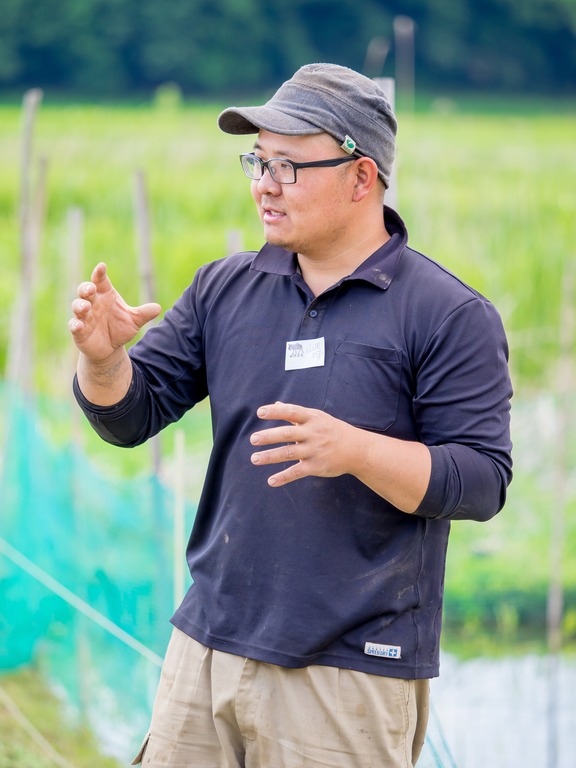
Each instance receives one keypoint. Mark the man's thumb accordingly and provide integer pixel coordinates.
(147, 312)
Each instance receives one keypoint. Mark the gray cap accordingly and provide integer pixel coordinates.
(326, 98)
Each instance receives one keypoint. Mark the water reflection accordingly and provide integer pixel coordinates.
(503, 713)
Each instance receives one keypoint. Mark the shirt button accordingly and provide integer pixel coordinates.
(313, 313)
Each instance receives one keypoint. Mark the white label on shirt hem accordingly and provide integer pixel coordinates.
(304, 353)
(386, 651)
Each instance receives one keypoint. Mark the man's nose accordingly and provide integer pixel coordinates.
(266, 183)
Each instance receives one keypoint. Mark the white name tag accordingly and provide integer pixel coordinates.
(385, 651)
(304, 353)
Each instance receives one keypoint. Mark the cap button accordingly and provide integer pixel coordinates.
(348, 145)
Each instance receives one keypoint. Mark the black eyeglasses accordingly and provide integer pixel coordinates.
(283, 171)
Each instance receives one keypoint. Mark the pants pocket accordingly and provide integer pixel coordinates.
(139, 757)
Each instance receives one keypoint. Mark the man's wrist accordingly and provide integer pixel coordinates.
(105, 382)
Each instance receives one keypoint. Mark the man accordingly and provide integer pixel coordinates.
(360, 402)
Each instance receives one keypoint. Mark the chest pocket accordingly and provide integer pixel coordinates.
(364, 385)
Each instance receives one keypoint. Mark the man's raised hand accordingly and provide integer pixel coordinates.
(102, 320)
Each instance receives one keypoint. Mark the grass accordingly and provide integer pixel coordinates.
(37, 706)
(487, 194)
(490, 197)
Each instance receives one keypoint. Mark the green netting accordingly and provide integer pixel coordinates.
(86, 581)
(86, 577)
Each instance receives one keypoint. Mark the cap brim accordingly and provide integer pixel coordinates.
(242, 120)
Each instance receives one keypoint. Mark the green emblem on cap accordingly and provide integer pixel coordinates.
(348, 145)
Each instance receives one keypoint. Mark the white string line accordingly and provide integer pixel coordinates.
(80, 605)
(59, 589)
(42, 743)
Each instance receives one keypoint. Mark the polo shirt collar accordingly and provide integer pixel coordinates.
(378, 269)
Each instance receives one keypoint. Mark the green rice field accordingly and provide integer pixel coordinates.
(489, 193)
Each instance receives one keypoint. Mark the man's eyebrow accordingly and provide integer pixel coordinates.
(277, 153)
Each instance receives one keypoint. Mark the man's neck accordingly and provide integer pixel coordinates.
(322, 271)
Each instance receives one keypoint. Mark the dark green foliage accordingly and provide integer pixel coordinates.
(220, 47)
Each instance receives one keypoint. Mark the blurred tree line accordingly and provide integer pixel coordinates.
(217, 47)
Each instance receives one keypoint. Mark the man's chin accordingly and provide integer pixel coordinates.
(280, 242)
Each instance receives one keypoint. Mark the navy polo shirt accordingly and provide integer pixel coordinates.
(323, 570)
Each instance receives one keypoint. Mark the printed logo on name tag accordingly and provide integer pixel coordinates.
(304, 353)
(386, 651)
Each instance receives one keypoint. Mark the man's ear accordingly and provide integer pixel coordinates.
(366, 172)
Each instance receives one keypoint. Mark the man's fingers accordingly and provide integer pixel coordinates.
(278, 456)
(86, 290)
(75, 326)
(98, 282)
(147, 312)
(80, 306)
(99, 273)
(290, 452)
(283, 412)
(274, 435)
(295, 472)
(88, 293)
(311, 443)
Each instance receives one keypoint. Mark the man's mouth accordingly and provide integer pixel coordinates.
(271, 214)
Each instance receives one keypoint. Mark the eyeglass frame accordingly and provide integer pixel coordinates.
(264, 164)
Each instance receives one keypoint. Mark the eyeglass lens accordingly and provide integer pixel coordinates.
(281, 170)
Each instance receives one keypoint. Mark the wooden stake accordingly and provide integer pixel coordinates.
(404, 60)
(74, 261)
(31, 214)
(145, 261)
(179, 517)
(388, 85)
(376, 54)
(564, 387)
(143, 236)
(157, 498)
(234, 242)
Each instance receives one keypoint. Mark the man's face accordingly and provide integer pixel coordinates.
(310, 216)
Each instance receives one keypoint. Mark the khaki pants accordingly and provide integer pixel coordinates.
(217, 710)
